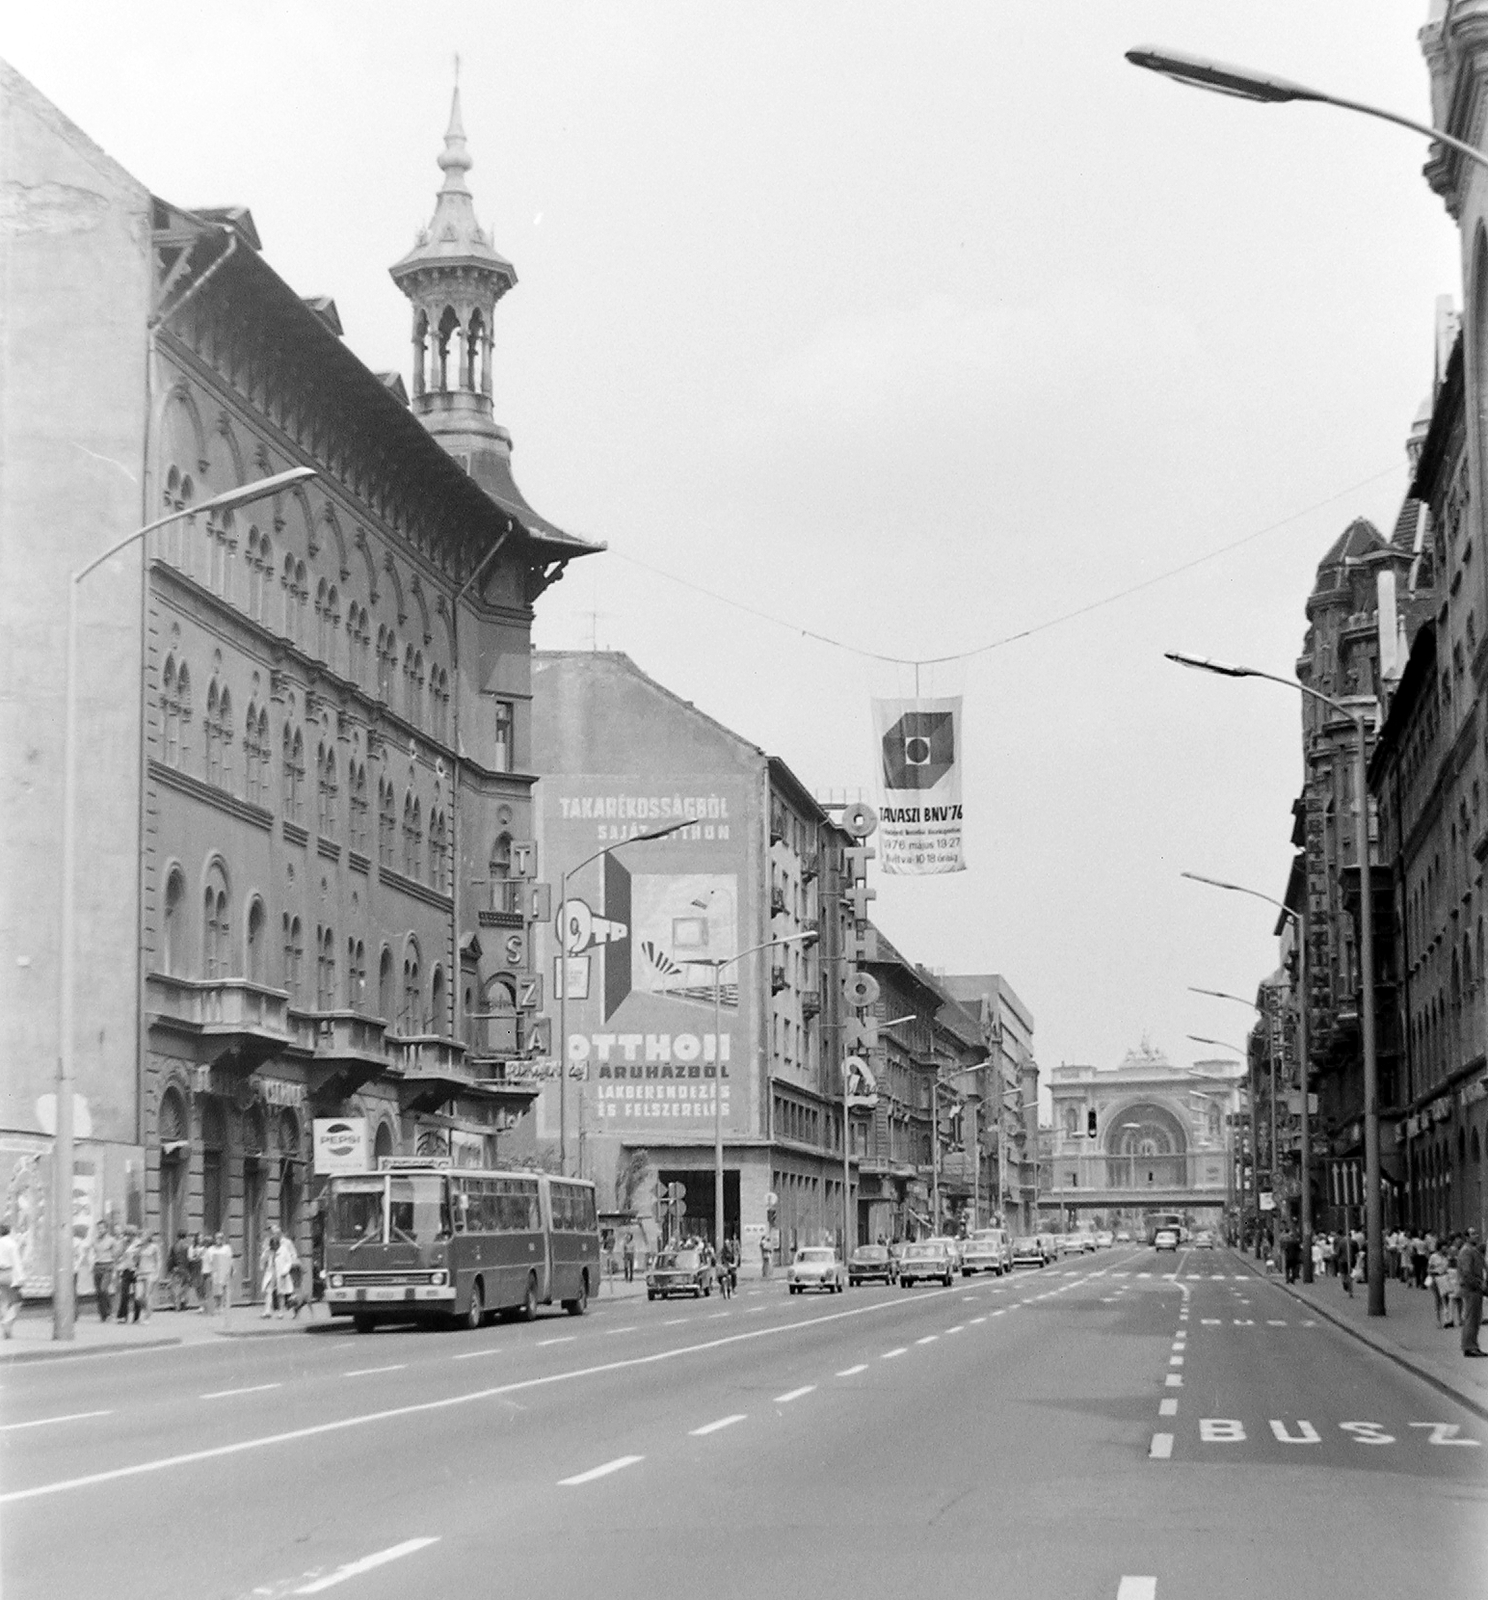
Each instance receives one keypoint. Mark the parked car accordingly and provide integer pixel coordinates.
(1165, 1239)
(872, 1263)
(987, 1250)
(679, 1272)
(1104, 1239)
(953, 1247)
(1203, 1239)
(1087, 1241)
(816, 1267)
(930, 1258)
(1068, 1244)
(1123, 1236)
(1029, 1251)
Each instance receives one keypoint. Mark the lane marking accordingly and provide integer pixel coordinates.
(674, 1322)
(713, 1316)
(852, 1372)
(354, 1569)
(222, 1394)
(1168, 1407)
(957, 1329)
(599, 1472)
(43, 1422)
(1211, 1322)
(889, 1355)
(447, 1402)
(1131, 1588)
(1275, 1322)
(976, 1320)
(1162, 1447)
(1175, 1361)
(929, 1338)
(1173, 1381)
(632, 1327)
(562, 1338)
(713, 1427)
(792, 1394)
(366, 1372)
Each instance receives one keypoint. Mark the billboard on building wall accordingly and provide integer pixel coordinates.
(917, 749)
(638, 930)
(341, 1145)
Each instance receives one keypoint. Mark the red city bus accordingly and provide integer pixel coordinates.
(427, 1242)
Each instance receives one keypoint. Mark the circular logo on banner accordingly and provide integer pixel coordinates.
(861, 989)
(340, 1139)
(860, 819)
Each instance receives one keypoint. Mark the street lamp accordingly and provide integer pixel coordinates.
(64, 1288)
(1374, 1242)
(718, 964)
(562, 925)
(1304, 1055)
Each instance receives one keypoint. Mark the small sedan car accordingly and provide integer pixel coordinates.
(871, 1263)
(1104, 1239)
(986, 1251)
(679, 1272)
(931, 1258)
(1166, 1239)
(1123, 1236)
(816, 1267)
(1203, 1239)
(1029, 1251)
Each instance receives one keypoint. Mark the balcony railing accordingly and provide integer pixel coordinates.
(426, 1052)
(220, 1004)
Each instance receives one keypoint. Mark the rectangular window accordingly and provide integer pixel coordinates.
(505, 736)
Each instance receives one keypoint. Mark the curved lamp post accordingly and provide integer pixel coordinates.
(1374, 1242)
(64, 1285)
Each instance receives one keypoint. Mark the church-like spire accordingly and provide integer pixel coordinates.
(455, 159)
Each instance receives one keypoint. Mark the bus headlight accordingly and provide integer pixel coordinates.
(437, 1277)
(337, 1280)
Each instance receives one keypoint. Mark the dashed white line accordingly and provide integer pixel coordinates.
(713, 1427)
(852, 1372)
(1175, 1361)
(889, 1355)
(366, 1372)
(1168, 1407)
(929, 1338)
(1134, 1588)
(976, 1320)
(792, 1394)
(562, 1338)
(957, 1329)
(223, 1394)
(1173, 1381)
(1161, 1448)
(42, 1422)
(354, 1569)
(630, 1329)
(470, 1355)
(1275, 1322)
(599, 1472)
(1211, 1322)
(674, 1322)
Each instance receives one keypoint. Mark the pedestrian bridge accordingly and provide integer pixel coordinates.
(1147, 1197)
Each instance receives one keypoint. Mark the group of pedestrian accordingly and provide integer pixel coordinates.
(1455, 1274)
(127, 1265)
(280, 1276)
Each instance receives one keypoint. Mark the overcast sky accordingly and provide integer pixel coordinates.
(916, 326)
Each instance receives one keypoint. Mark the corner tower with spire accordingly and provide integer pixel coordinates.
(453, 276)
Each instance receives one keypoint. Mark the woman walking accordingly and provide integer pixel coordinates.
(1436, 1276)
(146, 1275)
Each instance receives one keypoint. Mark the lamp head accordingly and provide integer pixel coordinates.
(247, 492)
(661, 833)
(1198, 72)
(1204, 664)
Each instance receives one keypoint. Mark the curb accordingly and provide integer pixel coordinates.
(73, 1352)
(1441, 1385)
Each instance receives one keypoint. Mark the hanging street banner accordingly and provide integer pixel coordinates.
(918, 752)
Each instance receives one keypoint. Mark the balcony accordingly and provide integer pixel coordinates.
(811, 865)
(777, 979)
(777, 902)
(810, 1003)
(348, 1051)
(241, 1024)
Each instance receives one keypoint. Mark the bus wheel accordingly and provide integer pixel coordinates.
(363, 1324)
(528, 1312)
(475, 1312)
(580, 1303)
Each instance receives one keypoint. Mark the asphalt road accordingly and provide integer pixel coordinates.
(1121, 1426)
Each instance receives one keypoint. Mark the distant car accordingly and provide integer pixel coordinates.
(1029, 1252)
(1166, 1239)
(1069, 1244)
(1123, 1236)
(987, 1250)
(871, 1263)
(930, 1258)
(1104, 1239)
(1203, 1239)
(816, 1267)
(953, 1247)
(679, 1272)
(1087, 1242)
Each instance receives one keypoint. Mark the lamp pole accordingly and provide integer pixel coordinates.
(718, 965)
(1374, 1243)
(563, 935)
(64, 1286)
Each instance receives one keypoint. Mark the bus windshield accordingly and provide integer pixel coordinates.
(416, 1209)
(356, 1212)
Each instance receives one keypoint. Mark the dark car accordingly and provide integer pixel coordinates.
(871, 1263)
(679, 1272)
(931, 1258)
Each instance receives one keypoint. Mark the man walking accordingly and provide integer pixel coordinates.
(1472, 1280)
(105, 1256)
(627, 1255)
(217, 1265)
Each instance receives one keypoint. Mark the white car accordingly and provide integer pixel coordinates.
(1104, 1239)
(987, 1250)
(816, 1267)
(1166, 1239)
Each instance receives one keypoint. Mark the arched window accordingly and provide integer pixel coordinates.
(410, 700)
(412, 1019)
(302, 602)
(1071, 1122)
(498, 1027)
(325, 969)
(437, 858)
(385, 985)
(253, 757)
(476, 374)
(501, 887)
(325, 781)
(382, 1145)
(322, 622)
(294, 958)
(294, 774)
(447, 349)
(437, 1022)
(356, 975)
(216, 934)
(420, 353)
(387, 664)
(209, 729)
(286, 774)
(387, 824)
(357, 783)
(411, 836)
(256, 942)
(291, 607)
(171, 932)
(224, 741)
(333, 627)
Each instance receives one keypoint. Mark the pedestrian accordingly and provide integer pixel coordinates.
(178, 1270)
(731, 1261)
(1319, 1261)
(1436, 1276)
(201, 1287)
(10, 1281)
(268, 1273)
(146, 1275)
(765, 1256)
(105, 1260)
(1451, 1287)
(127, 1265)
(1472, 1280)
(1419, 1256)
(628, 1257)
(1330, 1254)
(217, 1262)
(1292, 1251)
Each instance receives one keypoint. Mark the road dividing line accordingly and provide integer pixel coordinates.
(563, 1338)
(852, 1372)
(630, 1329)
(713, 1427)
(1137, 1589)
(1173, 1381)
(1175, 1361)
(599, 1472)
(366, 1372)
(976, 1320)
(1273, 1322)
(354, 1569)
(470, 1355)
(792, 1394)
(957, 1329)
(1162, 1447)
(889, 1355)
(1168, 1408)
(42, 1422)
(1211, 1322)
(223, 1394)
(929, 1338)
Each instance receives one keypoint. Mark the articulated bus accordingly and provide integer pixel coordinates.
(427, 1242)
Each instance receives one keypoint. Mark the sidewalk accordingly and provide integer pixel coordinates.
(1407, 1333)
(33, 1331)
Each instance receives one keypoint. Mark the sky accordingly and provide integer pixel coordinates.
(926, 329)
